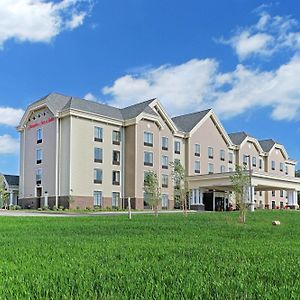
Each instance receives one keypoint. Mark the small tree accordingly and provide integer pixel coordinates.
(240, 182)
(3, 193)
(180, 184)
(152, 190)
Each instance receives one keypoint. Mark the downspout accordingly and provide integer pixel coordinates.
(123, 167)
(56, 162)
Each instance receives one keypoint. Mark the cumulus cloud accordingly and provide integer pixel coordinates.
(40, 20)
(90, 96)
(10, 116)
(269, 35)
(8, 144)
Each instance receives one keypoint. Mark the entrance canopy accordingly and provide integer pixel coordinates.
(261, 181)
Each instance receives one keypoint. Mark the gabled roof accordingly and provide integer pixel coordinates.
(11, 179)
(187, 122)
(134, 110)
(238, 137)
(267, 145)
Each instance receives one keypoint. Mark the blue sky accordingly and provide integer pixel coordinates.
(240, 57)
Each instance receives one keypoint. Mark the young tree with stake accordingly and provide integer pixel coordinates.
(152, 189)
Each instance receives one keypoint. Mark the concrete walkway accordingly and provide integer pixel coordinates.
(20, 213)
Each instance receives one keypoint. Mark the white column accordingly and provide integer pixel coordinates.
(251, 198)
(290, 198)
(11, 197)
(295, 197)
(46, 199)
(193, 197)
(214, 201)
(201, 196)
(197, 197)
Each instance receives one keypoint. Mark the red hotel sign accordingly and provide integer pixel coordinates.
(41, 123)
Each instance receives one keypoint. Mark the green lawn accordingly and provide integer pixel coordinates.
(203, 256)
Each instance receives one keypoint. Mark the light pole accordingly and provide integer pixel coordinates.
(250, 183)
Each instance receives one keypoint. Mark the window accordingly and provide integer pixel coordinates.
(148, 159)
(222, 169)
(210, 152)
(281, 193)
(164, 143)
(273, 193)
(210, 168)
(273, 165)
(286, 170)
(116, 177)
(165, 162)
(281, 205)
(98, 134)
(164, 180)
(148, 139)
(97, 176)
(177, 147)
(197, 166)
(260, 193)
(222, 155)
(197, 150)
(115, 199)
(254, 161)
(164, 200)
(116, 158)
(116, 137)
(273, 205)
(260, 163)
(98, 155)
(39, 156)
(39, 136)
(281, 167)
(98, 198)
(245, 159)
(230, 157)
(38, 176)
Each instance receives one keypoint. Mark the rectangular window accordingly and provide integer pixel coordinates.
(148, 159)
(164, 180)
(273, 165)
(39, 136)
(38, 176)
(164, 200)
(98, 155)
(98, 134)
(245, 159)
(281, 193)
(273, 193)
(222, 169)
(39, 156)
(210, 168)
(230, 157)
(197, 150)
(97, 176)
(210, 152)
(164, 143)
(116, 137)
(115, 201)
(286, 170)
(273, 204)
(253, 161)
(148, 139)
(281, 205)
(116, 177)
(260, 193)
(177, 147)
(165, 162)
(281, 167)
(116, 158)
(197, 166)
(98, 198)
(222, 155)
(260, 163)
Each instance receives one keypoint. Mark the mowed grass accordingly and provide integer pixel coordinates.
(202, 256)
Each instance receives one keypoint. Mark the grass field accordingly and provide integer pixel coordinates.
(203, 256)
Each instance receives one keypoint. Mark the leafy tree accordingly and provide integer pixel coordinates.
(240, 182)
(3, 193)
(152, 190)
(180, 184)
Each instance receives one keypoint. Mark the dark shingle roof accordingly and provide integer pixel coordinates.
(238, 137)
(187, 122)
(12, 179)
(267, 145)
(136, 109)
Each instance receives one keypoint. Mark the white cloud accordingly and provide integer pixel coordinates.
(40, 20)
(268, 36)
(10, 116)
(8, 145)
(90, 96)
(198, 84)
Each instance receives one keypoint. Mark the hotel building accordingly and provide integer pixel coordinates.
(79, 153)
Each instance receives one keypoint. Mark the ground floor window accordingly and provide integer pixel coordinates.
(115, 199)
(273, 205)
(164, 200)
(281, 205)
(98, 198)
